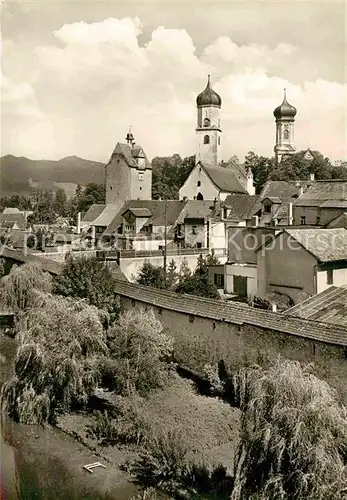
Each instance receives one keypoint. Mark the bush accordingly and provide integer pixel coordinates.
(127, 424)
(293, 436)
(88, 278)
(56, 361)
(18, 289)
(139, 351)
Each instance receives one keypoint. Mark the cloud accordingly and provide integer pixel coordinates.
(96, 79)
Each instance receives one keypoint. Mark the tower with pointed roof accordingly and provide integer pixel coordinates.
(128, 173)
(208, 130)
(285, 116)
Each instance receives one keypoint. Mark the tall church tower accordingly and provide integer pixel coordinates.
(208, 131)
(284, 114)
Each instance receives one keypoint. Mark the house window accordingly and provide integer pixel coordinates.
(318, 222)
(330, 276)
(140, 176)
(219, 280)
(199, 245)
(267, 208)
(199, 183)
(225, 213)
(303, 220)
(207, 139)
(110, 188)
(194, 230)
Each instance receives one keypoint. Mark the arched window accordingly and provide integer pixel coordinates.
(199, 197)
(207, 139)
(286, 134)
(207, 122)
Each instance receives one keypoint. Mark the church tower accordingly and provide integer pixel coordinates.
(284, 114)
(208, 131)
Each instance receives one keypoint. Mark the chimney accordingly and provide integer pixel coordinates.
(273, 307)
(79, 223)
(290, 214)
(301, 190)
(312, 177)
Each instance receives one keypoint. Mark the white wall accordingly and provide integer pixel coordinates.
(339, 279)
(250, 271)
(218, 235)
(131, 266)
(190, 188)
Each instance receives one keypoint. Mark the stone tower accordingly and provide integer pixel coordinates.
(128, 174)
(284, 115)
(208, 131)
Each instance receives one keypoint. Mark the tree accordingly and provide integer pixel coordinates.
(199, 283)
(185, 271)
(60, 203)
(150, 275)
(169, 174)
(139, 351)
(296, 167)
(44, 209)
(56, 364)
(261, 168)
(84, 199)
(2, 267)
(293, 436)
(18, 291)
(90, 279)
(171, 275)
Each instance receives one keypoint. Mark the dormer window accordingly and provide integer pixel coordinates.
(267, 208)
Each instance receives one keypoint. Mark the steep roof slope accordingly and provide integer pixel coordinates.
(225, 179)
(324, 191)
(325, 244)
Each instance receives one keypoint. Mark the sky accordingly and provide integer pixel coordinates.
(76, 74)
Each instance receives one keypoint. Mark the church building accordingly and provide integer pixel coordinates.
(285, 115)
(210, 179)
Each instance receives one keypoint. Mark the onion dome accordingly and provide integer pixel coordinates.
(208, 97)
(285, 110)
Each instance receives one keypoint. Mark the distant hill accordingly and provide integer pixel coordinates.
(18, 175)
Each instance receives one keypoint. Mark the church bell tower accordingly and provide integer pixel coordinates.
(208, 131)
(285, 115)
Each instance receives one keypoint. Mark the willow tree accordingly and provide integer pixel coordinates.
(60, 343)
(293, 436)
(17, 289)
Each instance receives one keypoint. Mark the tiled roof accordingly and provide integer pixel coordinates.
(140, 212)
(46, 264)
(323, 191)
(106, 216)
(173, 208)
(325, 244)
(18, 218)
(340, 221)
(195, 209)
(130, 154)
(93, 213)
(329, 306)
(242, 206)
(11, 210)
(280, 189)
(234, 313)
(225, 179)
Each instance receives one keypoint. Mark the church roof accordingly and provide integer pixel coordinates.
(209, 97)
(224, 179)
(285, 110)
(130, 154)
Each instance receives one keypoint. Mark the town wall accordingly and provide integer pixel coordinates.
(201, 340)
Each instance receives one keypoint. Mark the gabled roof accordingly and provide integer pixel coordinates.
(225, 179)
(18, 218)
(93, 213)
(106, 216)
(242, 206)
(130, 154)
(326, 245)
(273, 199)
(140, 212)
(11, 210)
(329, 306)
(161, 210)
(340, 221)
(324, 191)
(280, 189)
(195, 209)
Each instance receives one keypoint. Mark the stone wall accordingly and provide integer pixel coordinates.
(201, 339)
